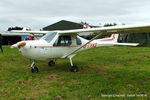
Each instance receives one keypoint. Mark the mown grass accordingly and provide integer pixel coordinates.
(102, 71)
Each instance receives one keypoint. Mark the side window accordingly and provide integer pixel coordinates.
(63, 41)
(78, 41)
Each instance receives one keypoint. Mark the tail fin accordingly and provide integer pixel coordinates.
(112, 38)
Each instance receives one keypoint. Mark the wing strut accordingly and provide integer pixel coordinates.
(73, 52)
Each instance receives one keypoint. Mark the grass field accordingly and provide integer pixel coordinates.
(102, 72)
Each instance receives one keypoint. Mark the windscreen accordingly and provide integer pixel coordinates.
(49, 36)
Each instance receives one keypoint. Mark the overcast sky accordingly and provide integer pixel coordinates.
(36, 14)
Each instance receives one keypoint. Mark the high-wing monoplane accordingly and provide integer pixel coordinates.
(67, 43)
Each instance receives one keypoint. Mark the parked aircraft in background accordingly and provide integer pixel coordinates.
(66, 44)
(14, 32)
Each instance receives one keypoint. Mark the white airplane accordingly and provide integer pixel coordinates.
(66, 44)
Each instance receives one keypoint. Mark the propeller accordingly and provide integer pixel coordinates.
(18, 45)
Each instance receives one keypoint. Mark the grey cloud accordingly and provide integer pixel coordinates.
(39, 13)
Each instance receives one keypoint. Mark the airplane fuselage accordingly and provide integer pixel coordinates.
(53, 46)
(41, 50)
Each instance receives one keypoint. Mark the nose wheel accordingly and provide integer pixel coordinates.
(34, 69)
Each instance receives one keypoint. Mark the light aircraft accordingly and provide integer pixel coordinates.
(7, 33)
(67, 43)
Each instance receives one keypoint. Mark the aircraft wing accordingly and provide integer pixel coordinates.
(39, 33)
(128, 29)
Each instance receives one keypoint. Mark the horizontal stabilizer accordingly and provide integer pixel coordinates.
(127, 44)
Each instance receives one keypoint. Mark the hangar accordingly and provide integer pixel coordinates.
(63, 25)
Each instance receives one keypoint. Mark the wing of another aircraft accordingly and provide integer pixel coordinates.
(35, 33)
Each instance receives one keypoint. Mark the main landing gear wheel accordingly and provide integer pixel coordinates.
(34, 70)
(74, 68)
(51, 63)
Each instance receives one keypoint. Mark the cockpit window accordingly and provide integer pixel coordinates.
(63, 41)
(49, 36)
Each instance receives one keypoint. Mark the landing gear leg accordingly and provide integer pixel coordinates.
(34, 69)
(51, 63)
(74, 68)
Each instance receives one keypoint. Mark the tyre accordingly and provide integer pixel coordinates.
(34, 70)
(51, 63)
(74, 69)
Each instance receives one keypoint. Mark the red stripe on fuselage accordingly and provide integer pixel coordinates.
(53, 46)
(87, 46)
